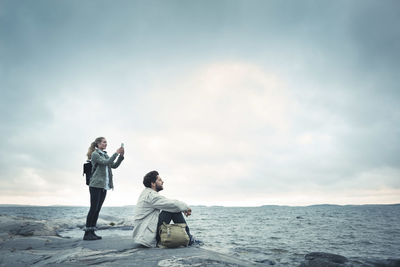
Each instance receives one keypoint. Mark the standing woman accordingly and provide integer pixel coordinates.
(100, 182)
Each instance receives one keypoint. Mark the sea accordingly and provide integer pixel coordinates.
(278, 235)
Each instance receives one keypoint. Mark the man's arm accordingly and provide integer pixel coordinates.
(160, 202)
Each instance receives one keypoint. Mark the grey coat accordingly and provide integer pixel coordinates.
(99, 163)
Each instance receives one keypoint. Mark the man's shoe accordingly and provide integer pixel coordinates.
(195, 242)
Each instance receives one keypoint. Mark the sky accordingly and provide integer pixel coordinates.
(234, 103)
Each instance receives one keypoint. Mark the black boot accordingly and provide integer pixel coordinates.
(97, 236)
(89, 235)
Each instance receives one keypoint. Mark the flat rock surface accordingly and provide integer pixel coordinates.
(110, 251)
(27, 242)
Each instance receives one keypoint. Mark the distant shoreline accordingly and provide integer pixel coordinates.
(211, 206)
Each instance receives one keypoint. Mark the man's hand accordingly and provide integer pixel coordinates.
(188, 212)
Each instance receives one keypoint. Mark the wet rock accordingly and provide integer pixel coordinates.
(383, 263)
(25, 227)
(322, 259)
(266, 262)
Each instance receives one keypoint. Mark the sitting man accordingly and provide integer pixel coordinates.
(148, 217)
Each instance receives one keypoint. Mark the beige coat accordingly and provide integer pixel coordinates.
(147, 210)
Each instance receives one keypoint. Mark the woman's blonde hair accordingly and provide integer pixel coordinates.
(93, 146)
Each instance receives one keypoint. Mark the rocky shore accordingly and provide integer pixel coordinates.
(26, 242)
(115, 251)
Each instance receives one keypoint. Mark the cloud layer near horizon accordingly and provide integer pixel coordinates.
(234, 103)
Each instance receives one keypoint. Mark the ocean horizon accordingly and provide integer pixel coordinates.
(200, 205)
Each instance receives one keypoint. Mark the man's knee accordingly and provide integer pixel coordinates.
(164, 212)
(165, 216)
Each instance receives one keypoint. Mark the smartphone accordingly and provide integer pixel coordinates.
(122, 144)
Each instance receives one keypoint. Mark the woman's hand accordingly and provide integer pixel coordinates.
(121, 151)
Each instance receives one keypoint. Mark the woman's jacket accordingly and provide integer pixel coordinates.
(99, 162)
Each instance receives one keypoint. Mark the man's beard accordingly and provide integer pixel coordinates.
(159, 188)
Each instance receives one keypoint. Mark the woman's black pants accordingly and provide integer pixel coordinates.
(166, 217)
(97, 196)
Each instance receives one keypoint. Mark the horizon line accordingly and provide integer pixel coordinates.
(200, 205)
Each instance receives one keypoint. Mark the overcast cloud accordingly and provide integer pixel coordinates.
(233, 102)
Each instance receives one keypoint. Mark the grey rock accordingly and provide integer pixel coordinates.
(26, 227)
(382, 263)
(322, 259)
(27, 242)
(109, 251)
(266, 262)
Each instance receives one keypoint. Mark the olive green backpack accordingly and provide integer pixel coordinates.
(173, 235)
